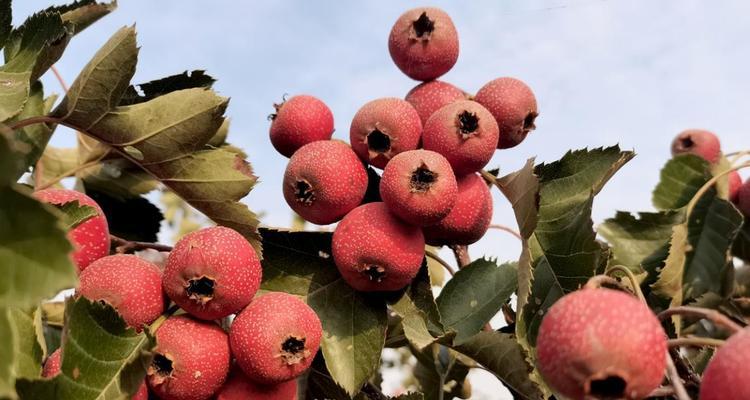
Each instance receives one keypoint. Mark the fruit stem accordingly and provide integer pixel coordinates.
(462, 254)
(695, 341)
(40, 119)
(674, 378)
(631, 278)
(664, 391)
(506, 229)
(124, 246)
(714, 316)
(432, 255)
(157, 323)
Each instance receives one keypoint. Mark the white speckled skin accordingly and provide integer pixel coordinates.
(218, 253)
(91, 238)
(200, 356)
(428, 57)
(371, 236)
(129, 284)
(53, 364)
(595, 333)
(258, 332)
(466, 153)
(469, 218)
(428, 97)
(240, 387)
(726, 376)
(702, 143)
(391, 116)
(300, 120)
(414, 206)
(510, 101)
(336, 176)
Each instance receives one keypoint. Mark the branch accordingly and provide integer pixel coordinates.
(65, 174)
(714, 316)
(123, 246)
(695, 341)
(674, 378)
(440, 261)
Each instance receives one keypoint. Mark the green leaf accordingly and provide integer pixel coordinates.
(6, 15)
(102, 358)
(56, 162)
(8, 343)
(36, 136)
(36, 45)
(81, 14)
(101, 83)
(53, 313)
(27, 362)
(320, 384)
(419, 312)
(151, 90)
(680, 178)
(15, 91)
(635, 238)
(474, 295)
(435, 361)
(75, 214)
(131, 218)
(354, 324)
(741, 245)
(118, 178)
(502, 355)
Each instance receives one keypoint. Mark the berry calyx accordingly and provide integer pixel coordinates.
(240, 387)
(469, 218)
(275, 338)
(601, 344)
(212, 273)
(514, 107)
(419, 187)
(298, 121)
(725, 377)
(465, 133)
(91, 238)
(431, 96)
(129, 284)
(376, 251)
(191, 359)
(383, 128)
(323, 181)
(423, 43)
(700, 142)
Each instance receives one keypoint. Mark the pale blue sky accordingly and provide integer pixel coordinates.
(633, 72)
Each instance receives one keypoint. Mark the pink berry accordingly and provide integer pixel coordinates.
(725, 377)
(323, 181)
(743, 198)
(601, 343)
(465, 133)
(469, 219)
(419, 187)
(298, 121)
(191, 359)
(129, 284)
(700, 142)
(375, 251)
(428, 97)
(735, 182)
(91, 238)
(212, 273)
(53, 365)
(240, 387)
(383, 128)
(275, 338)
(513, 105)
(424, 43)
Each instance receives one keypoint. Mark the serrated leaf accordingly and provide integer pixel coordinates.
(101, 83)
(354, 324)
(35, 136)
(35, 45)
(436, 361)
(27, 361)
(502, 355)
(474, 295)
(79, 15)
(53, 313)
(102, 358)
(56, 162)
(419, 312)
(680, 178)
(131, 218)
(521, 188)
(75, 214)
(6, 26)
(143, 92)
(118, 178)
(635, 238)
(15, 90)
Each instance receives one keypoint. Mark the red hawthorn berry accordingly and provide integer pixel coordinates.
(700, 142)
(383, 128)
(743, 198)
(53, 365)
(428, 97)
(513, 105)
(725, 377)
(735, 183)
(469, 219)
(240, 387)
(298, 121)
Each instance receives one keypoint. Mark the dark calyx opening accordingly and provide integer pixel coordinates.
(422, 179)
(611, 387)
(423, 26)
(686, 142)
(304, 192)
(378, 141)
(293, 350)
(162, 365)
(468, 122)
(374, 272)
(528, 122)
(201, 289)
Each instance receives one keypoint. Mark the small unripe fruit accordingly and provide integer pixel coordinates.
(53, 365)
(700, 142)
(735, 183)
(601, 344)
(91, 238)
(725, 377)
(212, 273)
(431, 96)
(424, 43)
(129, 284)
(419, 187)
(469, 219)
(191, 359)
(743, 198)
(375, 251)
(323, 181)
(465, 133)
(383, 128)
(240, 387)
(513, 105)
(298, 121)
(275, 338)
